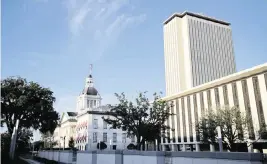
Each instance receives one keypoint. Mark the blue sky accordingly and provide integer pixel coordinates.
(53, 42)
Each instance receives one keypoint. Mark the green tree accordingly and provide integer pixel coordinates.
(233, 123)
(71, 142)
(24, 140)
(207, 128)
(5, 145)
(262, 132)
(131, 146)
(29, 103)
(234, 126)
(142, 119)
(38, 145)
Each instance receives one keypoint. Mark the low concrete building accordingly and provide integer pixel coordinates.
(245, 89)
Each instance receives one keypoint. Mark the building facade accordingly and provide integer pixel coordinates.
(246, 90)
(91, 128)
(197, 50)
(86, 125)
(66, 130)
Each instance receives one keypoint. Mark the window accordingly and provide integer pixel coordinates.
(248, 109)
(258, 101)
(217, 97)
(225, 95)
(178, 120)
(88, 103)
(114, 137)
(209, 100)
(105, 125)
(94, 103)
(235, 96)
(202, 103)
(196, 115)
(123, 137)
(95, 125)
(173, 123)
(105, 137)
(189, 118)
(183, 116)
(95, 137)
(91, 103)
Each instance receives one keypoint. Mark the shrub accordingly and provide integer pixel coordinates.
(102, 145)
(131, 146)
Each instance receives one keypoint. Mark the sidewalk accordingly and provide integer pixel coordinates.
(30, 161)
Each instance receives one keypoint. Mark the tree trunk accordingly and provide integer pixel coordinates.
(138, 143)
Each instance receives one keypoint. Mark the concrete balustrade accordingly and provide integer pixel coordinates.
(152, 157)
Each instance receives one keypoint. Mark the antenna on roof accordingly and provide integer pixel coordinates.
(91, 68)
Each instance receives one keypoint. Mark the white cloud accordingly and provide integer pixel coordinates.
(95, 26)
(99, 22)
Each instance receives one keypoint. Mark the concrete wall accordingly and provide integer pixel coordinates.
(65, 156)
(153, 157)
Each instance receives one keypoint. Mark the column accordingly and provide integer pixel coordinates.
(183, 147)
(172, 147)
(197, 147)
(163, 147)
(212, 148)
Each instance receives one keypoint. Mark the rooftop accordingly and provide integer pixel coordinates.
(197, 15)
(218, 82)
(73, 114)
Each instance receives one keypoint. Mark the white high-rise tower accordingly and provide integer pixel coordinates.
(197, 49)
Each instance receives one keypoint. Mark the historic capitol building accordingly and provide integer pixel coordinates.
(86, 125)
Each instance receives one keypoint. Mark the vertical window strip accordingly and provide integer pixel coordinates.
(258, 102)
(248, 109)
(235, 97)
(202, 104)
(209, 100)
(236, 104)
(225, 95)
(173, 123)
(189, 118)
(168, 125)
(196, 116)
(178, 120)
(183, 117)
(217, 97)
